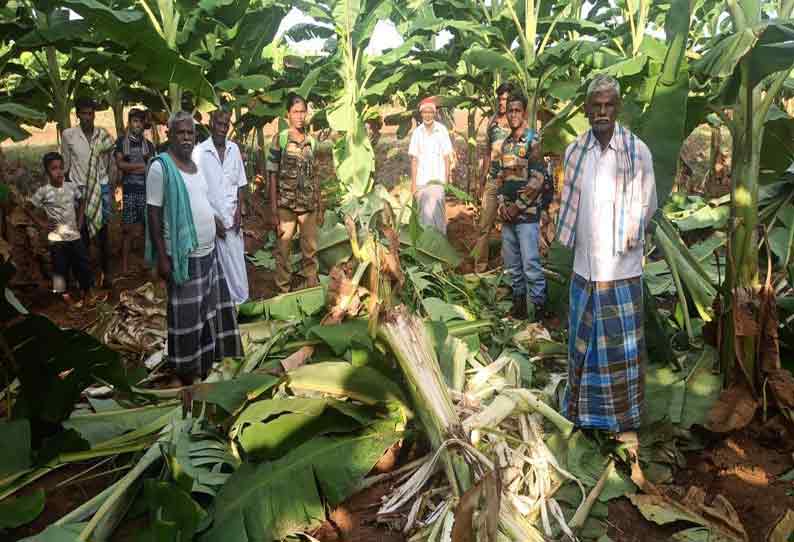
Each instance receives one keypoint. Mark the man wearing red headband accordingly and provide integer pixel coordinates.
(431, 153)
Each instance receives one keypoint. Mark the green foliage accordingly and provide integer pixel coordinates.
(103, 426)
(270, 429)
(15, 454)
(58, 365)
(263, 258)
(290, 306)
(342, 379)
(19, 511)
(199, 458)
(275, 499)
(174, 514)
(231, 394)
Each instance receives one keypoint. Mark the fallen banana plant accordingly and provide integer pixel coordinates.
(501, 444)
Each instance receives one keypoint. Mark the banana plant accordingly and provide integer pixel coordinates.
(352, 82)
(46, 63)
(161, 42)
(748, 63)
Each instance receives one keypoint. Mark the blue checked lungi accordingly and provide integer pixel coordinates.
(134, 205)
(606, 355)
(202, 319)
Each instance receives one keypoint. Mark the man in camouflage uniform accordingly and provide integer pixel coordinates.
(525, 190)
(498, 130)
(295, 193)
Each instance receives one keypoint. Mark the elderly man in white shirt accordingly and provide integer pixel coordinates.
(221, 164)
(431, 158)
(608, 199)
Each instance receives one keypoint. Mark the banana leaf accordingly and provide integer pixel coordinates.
(199, 458)
(15, 451)
(432, 248)
(58, 533)
(343, 379)
(231, 394)
(333, 246)
(18, 511)
(100, 427)
(276, 499)
(698, 283)
(175, 515)
(342, 337)
(289, 306)
(269, 429)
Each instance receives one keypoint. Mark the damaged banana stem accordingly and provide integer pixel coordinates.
(408, 338)
(584, 510)
(529, 402)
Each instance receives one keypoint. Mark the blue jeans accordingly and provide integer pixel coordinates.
(521, 255)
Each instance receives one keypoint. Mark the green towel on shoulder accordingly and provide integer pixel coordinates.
(178, 217)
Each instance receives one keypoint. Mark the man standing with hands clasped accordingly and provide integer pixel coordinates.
(201, 316)
(431, 156)
(608, 199)
(525, 190)
(221, 164)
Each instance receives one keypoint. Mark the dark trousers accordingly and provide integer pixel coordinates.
(102, 240)
(72, 256)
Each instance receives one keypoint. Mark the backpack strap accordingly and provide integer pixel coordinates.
(283, 139)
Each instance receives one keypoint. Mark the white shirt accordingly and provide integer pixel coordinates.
(430, 147)
(224, 179)
(198, 192)
(59, 204)
(594, 257)
(77, 151)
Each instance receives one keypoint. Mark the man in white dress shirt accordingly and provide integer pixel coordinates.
(608, 199)
(222, 165)
(431, 159)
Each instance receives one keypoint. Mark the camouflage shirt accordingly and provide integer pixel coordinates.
(298, 187)
(496, 135)
(516, 185)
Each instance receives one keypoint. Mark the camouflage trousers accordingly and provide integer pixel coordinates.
(289, 222)
(484, 227)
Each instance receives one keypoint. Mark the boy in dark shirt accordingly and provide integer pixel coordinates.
(132, 153)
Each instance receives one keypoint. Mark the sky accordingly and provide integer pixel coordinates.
(385, 35)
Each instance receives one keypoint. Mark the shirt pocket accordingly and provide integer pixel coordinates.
(605, 194)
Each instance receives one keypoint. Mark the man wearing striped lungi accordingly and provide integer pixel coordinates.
(181, 231)
(608, 198)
